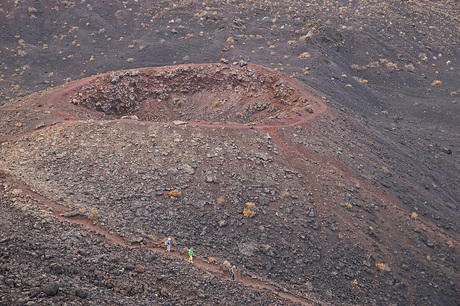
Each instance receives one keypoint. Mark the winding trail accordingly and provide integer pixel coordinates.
(62, 213)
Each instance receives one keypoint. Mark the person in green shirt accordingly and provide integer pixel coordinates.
(190, 253)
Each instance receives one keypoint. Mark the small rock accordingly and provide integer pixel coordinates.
(139, 268)
(130, 267)
(151, 258)
(223, 223)
(132, 117)
(164, 292)
(262, 156)
(50, 289)
(347, 197)
(114, 78)
(21, 302)
(57, 268)
(198, 203)
(422, 56)
(70, 214)
(179, 122)
(386, 171)
(211, 260)
(41, 125)
(265, 248)
(188, 169)
(16, 191)
(81, 293)
(247, 248)
(34, 292)
(134, 73)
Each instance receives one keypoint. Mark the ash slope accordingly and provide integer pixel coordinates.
(47, 261)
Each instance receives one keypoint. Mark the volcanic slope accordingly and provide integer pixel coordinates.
(244, 164)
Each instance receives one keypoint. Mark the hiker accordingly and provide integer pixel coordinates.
(168, 245)
(190, 253)
(232, 273)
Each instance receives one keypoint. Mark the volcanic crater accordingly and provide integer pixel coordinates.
(237, 93)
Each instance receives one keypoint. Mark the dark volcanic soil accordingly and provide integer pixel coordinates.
(347, 193)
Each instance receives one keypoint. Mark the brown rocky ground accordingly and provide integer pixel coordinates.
(355, 184)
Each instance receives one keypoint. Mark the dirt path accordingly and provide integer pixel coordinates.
(249, 280)
(62, 213)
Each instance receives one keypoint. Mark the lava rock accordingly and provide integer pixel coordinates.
(139, 268)
(50, 289)
(81, 293)
(57, 268)
(151, 258)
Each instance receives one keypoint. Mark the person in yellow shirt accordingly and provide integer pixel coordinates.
(190, 254)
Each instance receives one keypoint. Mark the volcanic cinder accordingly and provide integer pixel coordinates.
(243, 163)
